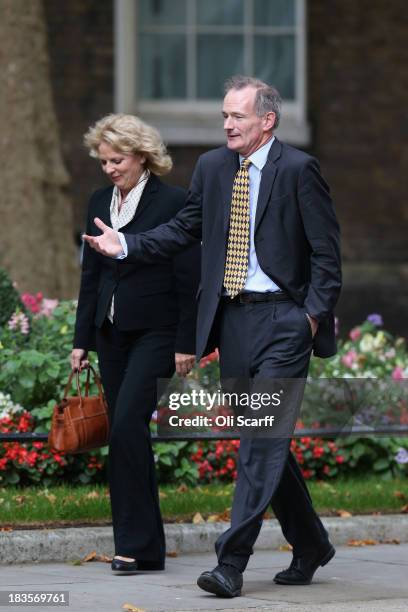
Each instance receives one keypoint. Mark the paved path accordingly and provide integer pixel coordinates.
(371, 578)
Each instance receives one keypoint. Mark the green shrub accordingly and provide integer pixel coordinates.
(34, 368)
(9, 298)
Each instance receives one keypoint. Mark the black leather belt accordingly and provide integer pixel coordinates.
(253, 297)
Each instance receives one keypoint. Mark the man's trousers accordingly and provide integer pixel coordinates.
(261, 342)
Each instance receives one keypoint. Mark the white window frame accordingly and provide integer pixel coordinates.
(198, 122)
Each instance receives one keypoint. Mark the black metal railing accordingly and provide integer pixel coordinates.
(383, 430)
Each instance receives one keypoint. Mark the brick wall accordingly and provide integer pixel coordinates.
(358, 101)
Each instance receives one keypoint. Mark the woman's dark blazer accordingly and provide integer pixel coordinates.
(146, 295)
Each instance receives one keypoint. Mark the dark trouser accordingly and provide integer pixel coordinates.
(130, 364)
(259, 342)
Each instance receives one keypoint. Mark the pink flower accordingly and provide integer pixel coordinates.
(349, 358)
(48, 306)
(355, 333)
(19, 321)
(398, 373)
(32, 302)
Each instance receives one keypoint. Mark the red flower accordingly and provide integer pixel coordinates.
(230, 463)
(339, 458)
(318, 451)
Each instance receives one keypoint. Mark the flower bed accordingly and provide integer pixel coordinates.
(35, 343)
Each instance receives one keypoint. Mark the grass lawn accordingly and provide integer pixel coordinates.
(65, 505)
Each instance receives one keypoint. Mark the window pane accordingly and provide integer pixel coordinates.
(162, 12)
(220, 12)
(275, 62)
(216, 61)
(274, 12)
(162, 66)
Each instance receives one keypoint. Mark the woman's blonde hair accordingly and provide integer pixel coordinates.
(129, 134)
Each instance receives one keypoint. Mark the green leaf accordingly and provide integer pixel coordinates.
(381, 464)
(358, 450)
(165, 460)
(53, 371)
(13, 478)
(26, 382)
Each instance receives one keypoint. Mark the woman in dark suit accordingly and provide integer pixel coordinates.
(141, 320)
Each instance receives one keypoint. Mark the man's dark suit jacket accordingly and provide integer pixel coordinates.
(296, 235)
(147, 295)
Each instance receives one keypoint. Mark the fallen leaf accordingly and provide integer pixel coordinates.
(90, 556)
(92, 495)
(103, 558)
(51, 498)
(182, 488)
(132, 608)
(367, 542)
(6, 529)
(20, 499)
(225, 516)
(285, 547)
(343, 513)
(198, 518)
(162, 494)
(394, 541)
(172, 554)
(213, 518)
(404, 509)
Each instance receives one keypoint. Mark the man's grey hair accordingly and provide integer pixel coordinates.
(267, 99)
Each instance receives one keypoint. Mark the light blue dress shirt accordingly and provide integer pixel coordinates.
(257, 280)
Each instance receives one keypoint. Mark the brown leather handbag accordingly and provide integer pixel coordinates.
(80, 423)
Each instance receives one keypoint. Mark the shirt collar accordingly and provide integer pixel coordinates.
(259, 157)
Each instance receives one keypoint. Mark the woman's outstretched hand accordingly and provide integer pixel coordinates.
(107, 243)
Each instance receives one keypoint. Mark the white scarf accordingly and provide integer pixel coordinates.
(127, 211)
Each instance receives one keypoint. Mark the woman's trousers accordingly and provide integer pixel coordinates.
(130, 364)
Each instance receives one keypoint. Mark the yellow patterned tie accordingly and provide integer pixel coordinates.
(236, 264)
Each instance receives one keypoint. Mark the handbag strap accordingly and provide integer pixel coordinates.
(96, 379)
(78, 386)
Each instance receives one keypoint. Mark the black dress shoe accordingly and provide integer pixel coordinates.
(224, 581)
(130, 567)
(301, 570)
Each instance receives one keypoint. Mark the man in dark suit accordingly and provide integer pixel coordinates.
(270, 280)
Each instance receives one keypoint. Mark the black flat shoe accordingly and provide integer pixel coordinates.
(302, 569)
(130, 567)
(126, 567)
(223, 581)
